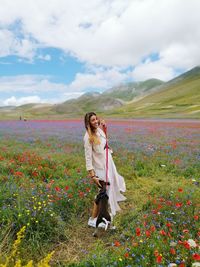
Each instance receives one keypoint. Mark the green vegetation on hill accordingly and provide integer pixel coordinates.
(177, 98)
(128, 91)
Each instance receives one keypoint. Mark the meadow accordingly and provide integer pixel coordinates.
(46, 195)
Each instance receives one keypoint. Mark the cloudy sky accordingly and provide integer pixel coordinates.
(54, 50)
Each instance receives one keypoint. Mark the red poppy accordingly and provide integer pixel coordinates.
(117, 243)
(172, 251)
(148, 233)
(126, 255)
(138, 231)
(153, 228)
(66, 187)
(186, 245)
(196, 217)
(189, 202)
(178, 204)
(159, 259)
(81, 194)
(57, 189)
(180, 190)
(162, 232)
(196, 256)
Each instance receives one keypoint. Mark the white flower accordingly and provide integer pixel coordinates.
(172, 265)
(192, 243)
(173, 244)
(196, 264)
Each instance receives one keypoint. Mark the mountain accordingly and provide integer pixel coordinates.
(177, 98)
(89, 101)
(127, 92)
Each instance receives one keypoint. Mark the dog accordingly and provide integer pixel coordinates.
(102, 202)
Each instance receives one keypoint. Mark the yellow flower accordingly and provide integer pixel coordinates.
(45, 262)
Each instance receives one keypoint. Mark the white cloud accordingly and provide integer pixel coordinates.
(109, 33)
(155, 69)
(71, 95)
(13, 101)
(29, 84)
(45, 57)
(100, 79)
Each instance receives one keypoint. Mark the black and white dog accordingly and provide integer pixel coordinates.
(102, 202)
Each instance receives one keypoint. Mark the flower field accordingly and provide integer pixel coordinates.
(44, 187)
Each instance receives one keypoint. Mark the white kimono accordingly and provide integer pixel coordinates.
(95, 156)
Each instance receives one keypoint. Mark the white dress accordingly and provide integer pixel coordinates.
(117, 183)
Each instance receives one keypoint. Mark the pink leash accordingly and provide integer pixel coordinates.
(105, 131)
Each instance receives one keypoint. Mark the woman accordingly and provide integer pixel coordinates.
(95, 156)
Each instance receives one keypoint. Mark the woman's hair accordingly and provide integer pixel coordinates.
(93, 138)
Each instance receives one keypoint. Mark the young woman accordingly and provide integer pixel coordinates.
(95, 156)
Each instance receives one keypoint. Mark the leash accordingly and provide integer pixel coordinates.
(106, 147)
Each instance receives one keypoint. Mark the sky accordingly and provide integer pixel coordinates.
(55, 50)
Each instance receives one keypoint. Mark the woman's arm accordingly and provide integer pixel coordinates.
(88, 159)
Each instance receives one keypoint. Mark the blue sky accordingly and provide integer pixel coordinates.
(51, 51)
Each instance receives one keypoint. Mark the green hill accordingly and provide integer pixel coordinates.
(89, 101)
(178, 98)
(128, 91)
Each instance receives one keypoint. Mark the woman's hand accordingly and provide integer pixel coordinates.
(102, 123)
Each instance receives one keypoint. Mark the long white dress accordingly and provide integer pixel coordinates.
(117, 183)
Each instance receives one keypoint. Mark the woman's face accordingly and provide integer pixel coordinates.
(94, 123)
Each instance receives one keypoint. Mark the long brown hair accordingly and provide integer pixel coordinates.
(93, 138)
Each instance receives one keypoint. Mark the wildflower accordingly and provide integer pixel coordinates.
(180, 190)
(192, 243)
(196, 264)
(186, 245)
(57, 189)
(196, 256)
(126, 255)
(45, 262)
(138, 231)
(172, 251)
(162, 232)
(172, 265)
(159, 259)
(156, 253)
(178, 204)
(173, 244)
(117, 243)
(148, 233)
(81, 194)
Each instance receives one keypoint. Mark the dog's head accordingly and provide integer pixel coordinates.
(103, 184)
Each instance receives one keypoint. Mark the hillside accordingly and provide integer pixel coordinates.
(129, 91)
(177, 98)
(89, 101)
